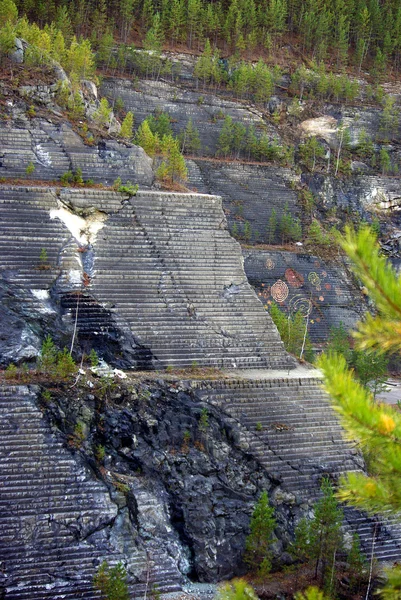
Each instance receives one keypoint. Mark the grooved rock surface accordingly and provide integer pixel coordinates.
(157, 275)
(250, 192)
(58, 522)
(54, 149)
(206, 110)
(321, 291)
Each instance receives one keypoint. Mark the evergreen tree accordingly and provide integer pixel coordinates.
(80, 59)
(226, 137)
(146, 139)
(112, 582)
(63, 23)
(190, 141)
(389, 120)
(126, 11)
(102, 114)
(173, 167)
(384, 161)
(127, 125)
(154, 37)
(357, 565)
(7, 39)
(257, 547)
(377, 427)
(8, 12)
(310, 151)
(293, 330)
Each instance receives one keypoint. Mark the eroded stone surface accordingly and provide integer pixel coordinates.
(162, 267)
(53, 149)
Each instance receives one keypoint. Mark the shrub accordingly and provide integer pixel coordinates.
(128, 188)
(30, 169)
(11, 372)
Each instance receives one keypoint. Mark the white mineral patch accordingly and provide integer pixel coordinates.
(324, 127)
(41, 294)
(43, 157)
(75, 276)
(83, 230)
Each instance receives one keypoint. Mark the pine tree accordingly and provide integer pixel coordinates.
(377, 427)
(310, 151)
(154, 37)
(103, 113)
(127, 126)
(203, 65)
(112, 582)
(146, 139)
(8, 12)
(258, 542)
(357, 565)
(193, 20)
(325, 531)
(384, 161)
(126, 11)
(80, 59)
(173, 167)
(226, 137)
(389, 120)
(190, 141)
(7, 39)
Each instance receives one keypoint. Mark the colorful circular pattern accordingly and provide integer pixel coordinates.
(315, 280)
(279, 291)
(295, 279)
(300, 304)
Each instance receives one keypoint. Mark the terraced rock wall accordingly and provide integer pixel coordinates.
(160, 269)
(44, 150)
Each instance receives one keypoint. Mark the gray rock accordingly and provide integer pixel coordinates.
(17, 55)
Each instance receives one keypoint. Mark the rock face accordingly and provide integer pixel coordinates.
(58, 523)
(157, 274)
(206, 110)
(250, 193)
(149, 280)
(53, 149)
(324, 293)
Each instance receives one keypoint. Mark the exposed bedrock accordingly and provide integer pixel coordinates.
(250, 193)
(54, 148)
(361, 194)
(324, 292)
(206, 110)
(158, 274)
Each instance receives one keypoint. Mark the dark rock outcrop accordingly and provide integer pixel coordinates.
(323, 291)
